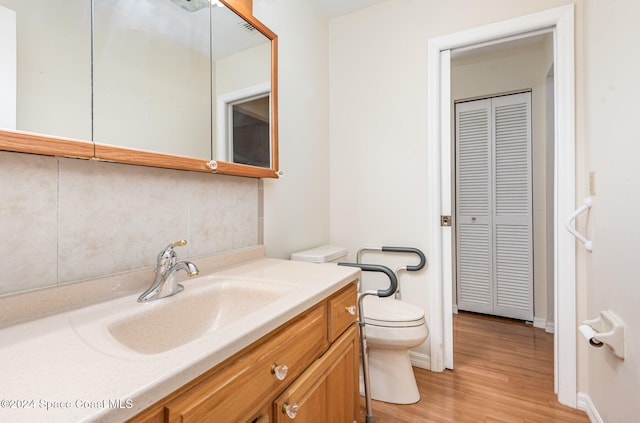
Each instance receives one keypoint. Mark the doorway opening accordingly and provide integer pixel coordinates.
(561, 22)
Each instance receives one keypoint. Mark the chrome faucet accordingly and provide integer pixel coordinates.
(167, 265)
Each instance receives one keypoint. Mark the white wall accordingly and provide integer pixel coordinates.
(296, 207)
(612, 150)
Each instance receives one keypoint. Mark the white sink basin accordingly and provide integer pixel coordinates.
(206, 305)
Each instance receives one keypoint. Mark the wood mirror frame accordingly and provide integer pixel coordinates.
(25, 142)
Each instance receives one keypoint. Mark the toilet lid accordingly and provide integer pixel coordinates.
(391, 312)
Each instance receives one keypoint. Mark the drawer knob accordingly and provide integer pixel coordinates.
(279, 371)
(290, 410)
(351, 310)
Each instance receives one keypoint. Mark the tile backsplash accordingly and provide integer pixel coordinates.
(65, 220)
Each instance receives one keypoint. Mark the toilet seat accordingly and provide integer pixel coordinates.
(391, 313)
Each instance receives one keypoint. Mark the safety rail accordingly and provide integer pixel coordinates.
(586, 205)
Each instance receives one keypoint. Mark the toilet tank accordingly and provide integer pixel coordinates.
(323, 254)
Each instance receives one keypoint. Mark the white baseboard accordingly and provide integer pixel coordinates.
(539, 322)
(454, 308)
(550, 327)
(585, 404)
(420, 360)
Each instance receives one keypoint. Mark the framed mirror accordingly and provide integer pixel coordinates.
(183, 84)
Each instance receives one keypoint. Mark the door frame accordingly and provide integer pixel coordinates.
(561, 21)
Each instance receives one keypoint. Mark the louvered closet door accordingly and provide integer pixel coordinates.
(493, 225)
(473, 218)
(512, 216)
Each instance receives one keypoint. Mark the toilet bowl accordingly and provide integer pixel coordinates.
(392, 328)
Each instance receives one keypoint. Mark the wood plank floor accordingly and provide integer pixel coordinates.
(503, 374)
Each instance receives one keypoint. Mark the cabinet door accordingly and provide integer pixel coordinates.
(328, 390)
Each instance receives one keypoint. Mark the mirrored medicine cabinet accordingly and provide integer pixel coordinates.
(182, 84)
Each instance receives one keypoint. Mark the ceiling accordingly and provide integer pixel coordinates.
(334, 8)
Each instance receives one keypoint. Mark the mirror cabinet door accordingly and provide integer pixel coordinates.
(45, 57)
(241, 70)
(152, 85)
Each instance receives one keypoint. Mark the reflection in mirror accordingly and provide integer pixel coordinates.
(237, 134)
(158, 65)
(45, 58)
(242, 89)
(152, 85)
(249, 135)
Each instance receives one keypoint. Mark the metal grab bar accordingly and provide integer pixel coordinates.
(361, 323)
(405, 250)
(409, 268)
(377, 268)
(409, 250)
(586, 205)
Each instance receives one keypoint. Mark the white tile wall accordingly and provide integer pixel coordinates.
(64, 220)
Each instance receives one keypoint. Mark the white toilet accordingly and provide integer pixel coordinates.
(392, 328)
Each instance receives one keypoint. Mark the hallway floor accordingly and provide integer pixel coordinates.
(503, 374)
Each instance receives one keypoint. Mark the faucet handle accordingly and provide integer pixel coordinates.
(180, 243)
(167, 253)
(171, 246)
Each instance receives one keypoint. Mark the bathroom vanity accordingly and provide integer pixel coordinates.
(319, 348)
(216, 351)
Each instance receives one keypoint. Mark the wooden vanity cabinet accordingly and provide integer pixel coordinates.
(328, 391)
(320, 349)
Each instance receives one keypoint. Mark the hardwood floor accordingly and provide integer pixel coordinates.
(503, 374)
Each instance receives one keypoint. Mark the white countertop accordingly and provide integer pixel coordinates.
(46, 364)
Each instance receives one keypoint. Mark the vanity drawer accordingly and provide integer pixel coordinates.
(342, 311)
(238, 390)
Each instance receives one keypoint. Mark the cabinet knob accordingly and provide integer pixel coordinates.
(351, 310)
(280, 371)
(290, 410)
